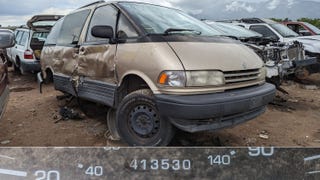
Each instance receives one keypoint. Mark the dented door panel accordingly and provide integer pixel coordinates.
(96, 70)
(65, 60)
(87, 72)
(96, 62)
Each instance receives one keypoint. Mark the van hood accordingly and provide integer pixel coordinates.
(43, 22)
(216, 56)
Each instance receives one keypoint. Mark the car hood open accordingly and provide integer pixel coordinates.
(43, 22)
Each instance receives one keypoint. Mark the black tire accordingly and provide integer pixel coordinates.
(112, 125)
(139, 122)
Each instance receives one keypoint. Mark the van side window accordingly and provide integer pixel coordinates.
(125, 29)
(106, 16)
(71, 28)
(53, 35)
(265, 31)
(24, 39)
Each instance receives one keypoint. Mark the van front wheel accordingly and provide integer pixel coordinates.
(139, 121)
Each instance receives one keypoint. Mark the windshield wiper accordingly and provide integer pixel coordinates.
(170, 30)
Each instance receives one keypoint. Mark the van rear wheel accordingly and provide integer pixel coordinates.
(139, 121)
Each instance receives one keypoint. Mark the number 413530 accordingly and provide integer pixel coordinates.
(161, 164)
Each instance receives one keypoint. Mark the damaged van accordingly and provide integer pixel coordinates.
(157, 68)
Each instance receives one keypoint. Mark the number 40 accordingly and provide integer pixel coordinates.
(94, 171)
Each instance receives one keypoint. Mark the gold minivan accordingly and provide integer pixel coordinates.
(157, 68)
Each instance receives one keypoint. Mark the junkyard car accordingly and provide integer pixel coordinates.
(281, 33)
(156, 74)
(303, 28)
(281, 59)
(6, 41)
(25, 56)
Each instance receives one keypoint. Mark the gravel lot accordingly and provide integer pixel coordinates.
(32, 119)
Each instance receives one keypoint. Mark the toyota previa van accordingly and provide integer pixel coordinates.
(156, 68)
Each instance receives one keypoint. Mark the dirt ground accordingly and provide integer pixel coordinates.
(32, 119)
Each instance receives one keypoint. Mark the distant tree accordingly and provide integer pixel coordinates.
(276, 19)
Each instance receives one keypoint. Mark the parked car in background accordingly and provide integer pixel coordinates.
(302, 28)
(6, 41)
(281, 58)
(154, 74)
(281, 33)
(25, 55)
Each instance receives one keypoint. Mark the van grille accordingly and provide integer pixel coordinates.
(241, 76)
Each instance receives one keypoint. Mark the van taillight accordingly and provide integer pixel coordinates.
(28, 54)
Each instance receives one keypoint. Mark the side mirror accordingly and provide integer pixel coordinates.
(7, 39)
(102, 32)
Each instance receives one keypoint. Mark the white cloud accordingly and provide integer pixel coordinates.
(273, 4)
(238, 6)
(13, 20)
(56, 11)
(291, 2)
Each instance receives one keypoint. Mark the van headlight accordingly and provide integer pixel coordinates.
(191, 78)
(263, 73)
(205, 78)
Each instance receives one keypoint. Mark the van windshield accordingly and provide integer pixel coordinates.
(161, 20)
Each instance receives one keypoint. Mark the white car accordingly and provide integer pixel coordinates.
(25, 55)
(281, 33)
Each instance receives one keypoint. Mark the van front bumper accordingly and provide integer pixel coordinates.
(193, 113)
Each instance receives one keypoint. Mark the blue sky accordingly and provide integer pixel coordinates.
(17, 12)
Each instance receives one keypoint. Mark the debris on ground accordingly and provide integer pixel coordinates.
(20, 89)
(250, 141)
(264, 135)
(5, 142)
(309, 87)
(68, 113)
(293, 100)
(284, 103)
